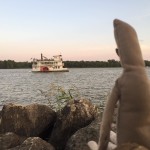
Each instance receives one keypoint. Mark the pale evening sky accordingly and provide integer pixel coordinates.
(77, 29)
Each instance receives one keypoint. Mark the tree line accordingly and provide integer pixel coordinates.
(92, 64)
(11, 64)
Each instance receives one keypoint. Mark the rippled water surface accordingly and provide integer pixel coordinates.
(21, 86)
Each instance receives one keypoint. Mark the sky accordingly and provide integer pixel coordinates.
(77, 29)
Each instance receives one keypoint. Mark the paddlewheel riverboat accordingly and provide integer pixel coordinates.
(44, 64)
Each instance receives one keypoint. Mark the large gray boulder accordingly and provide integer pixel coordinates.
(79, 140)
(34, 143)
(30, 120)
(75, 115)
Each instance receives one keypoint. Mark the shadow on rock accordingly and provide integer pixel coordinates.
(79, 140)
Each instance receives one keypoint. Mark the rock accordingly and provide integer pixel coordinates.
(130, 146)
(9, 140)
(0, 113)
(0, 120)
(79, 140)
(30, 120)
(75, 115)
(34, 143)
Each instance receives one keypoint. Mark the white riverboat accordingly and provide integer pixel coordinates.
(44, 64)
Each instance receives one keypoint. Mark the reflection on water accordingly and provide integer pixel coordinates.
(23, 87)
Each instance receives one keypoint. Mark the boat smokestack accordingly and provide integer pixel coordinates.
(41, 56)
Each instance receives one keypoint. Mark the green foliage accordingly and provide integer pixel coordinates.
(57, 96)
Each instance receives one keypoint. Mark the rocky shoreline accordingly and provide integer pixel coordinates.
(38, 127)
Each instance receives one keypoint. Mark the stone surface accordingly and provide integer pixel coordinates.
(130, 146)
(79, 140)
(30, 120)
(9, 140)
(34, 143)
(0, 121)
(75, 115)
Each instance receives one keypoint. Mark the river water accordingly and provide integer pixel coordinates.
(21, 86)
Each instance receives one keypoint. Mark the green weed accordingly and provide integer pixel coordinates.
(57, 96)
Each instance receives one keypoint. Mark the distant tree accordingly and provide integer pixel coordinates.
(113, 63)
(147, 63)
